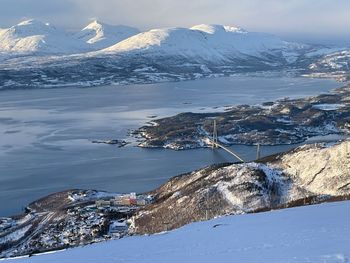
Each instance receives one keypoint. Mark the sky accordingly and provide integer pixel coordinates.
(307, 20)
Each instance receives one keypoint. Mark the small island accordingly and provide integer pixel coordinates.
(118, 143)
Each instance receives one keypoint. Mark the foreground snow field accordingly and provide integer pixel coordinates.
(318, 233)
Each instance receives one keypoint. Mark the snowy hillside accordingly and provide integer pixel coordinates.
(333, 61)
(308, 174)
(308, 234)
(100, 35)
(33, 36)
(335, 64)
(208, 42)
(35, 54)
(319, 170)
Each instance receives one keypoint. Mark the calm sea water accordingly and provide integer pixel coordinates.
(45, 134)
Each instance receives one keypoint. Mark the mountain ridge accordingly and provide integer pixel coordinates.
(208, 42)
(100, 35)
(40, 38)
(46, 56)
(33, 36)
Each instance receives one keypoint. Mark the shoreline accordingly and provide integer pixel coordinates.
(313, 85)
(265, 185)
(293, 73)
(281, 122)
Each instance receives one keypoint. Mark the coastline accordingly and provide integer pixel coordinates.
(286, 121)
(79, 217)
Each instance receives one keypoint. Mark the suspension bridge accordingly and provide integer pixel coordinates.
(214, 142)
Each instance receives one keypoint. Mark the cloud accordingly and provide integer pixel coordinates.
(281, 16)
(59, 12)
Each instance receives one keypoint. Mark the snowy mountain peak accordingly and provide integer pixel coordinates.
(32, 22)
(33, 36)
(100, 35)
(212, 29)
(32, 27)
(201, 42)
(94, 24)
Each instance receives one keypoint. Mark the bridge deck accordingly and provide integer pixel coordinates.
(226, 149)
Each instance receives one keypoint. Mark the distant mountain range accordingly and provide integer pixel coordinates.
(35, 37)
(203, 43)
(33, 53)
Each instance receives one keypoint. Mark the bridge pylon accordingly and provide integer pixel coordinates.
(215, 143)
(215, 135)
(258, 151)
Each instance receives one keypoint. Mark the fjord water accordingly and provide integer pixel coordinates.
(45, 134)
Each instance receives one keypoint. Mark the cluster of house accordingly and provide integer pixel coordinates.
(83, 220)
(80, 226)
(6, 223)
(82, 195)
(125, 200)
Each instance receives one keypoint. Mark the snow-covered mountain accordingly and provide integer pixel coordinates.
(32, 36)
(36, 37)
(99, 35)
(204, 42)
(120, 54)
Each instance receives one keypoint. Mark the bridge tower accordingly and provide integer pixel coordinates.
(215, 135)
(258, 151)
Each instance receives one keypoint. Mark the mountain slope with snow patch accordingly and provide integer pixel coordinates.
(308, 174)
(99, 35)
(332, 64)
(320, 170)
(208, 42)
(33, 36)
(35, 54)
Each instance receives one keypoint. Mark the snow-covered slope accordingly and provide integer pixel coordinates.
(319, 170)
(335, 64)
(308, 174)
(33, 36)
(209, 42)
(334, 61)
(307, 234)
(118, 54)
(100, 35)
